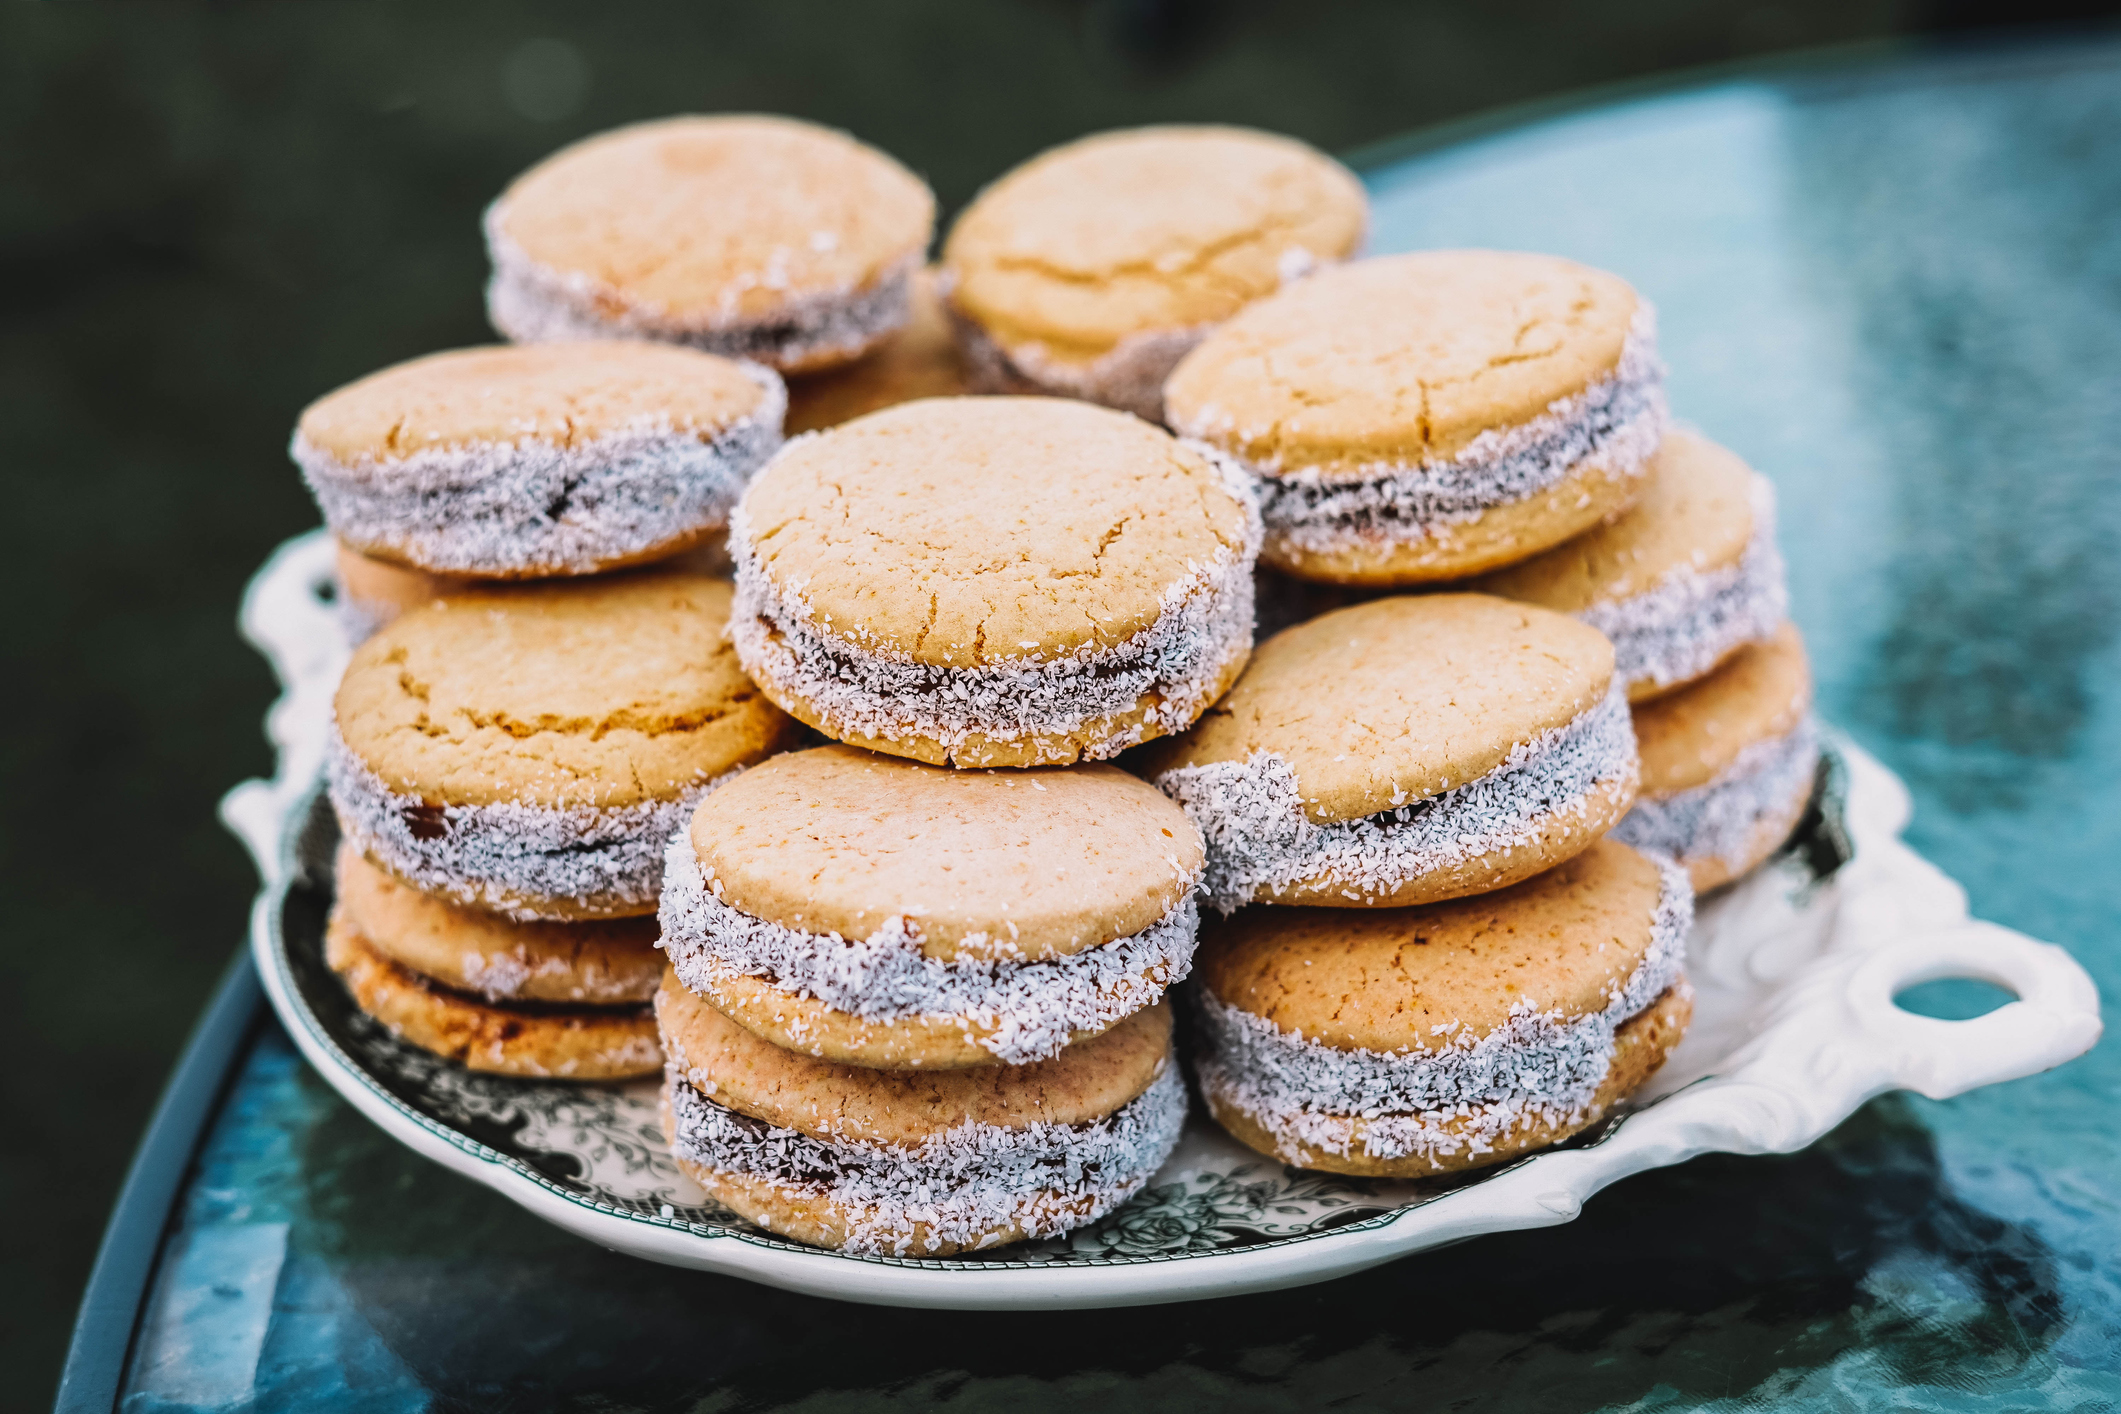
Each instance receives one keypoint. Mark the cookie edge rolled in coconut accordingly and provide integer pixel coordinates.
(529, 302)
(1690, 620)
(924, 1189)
(1261, 843)
(484, 509)
(1018, 1010)
(873, 697)
(1383, 506)
(1721, 820)
(527, 862)
(1447, 1098)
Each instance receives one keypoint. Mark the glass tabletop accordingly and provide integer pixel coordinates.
(1894, 285)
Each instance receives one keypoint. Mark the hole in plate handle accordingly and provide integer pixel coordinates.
(1953, 998)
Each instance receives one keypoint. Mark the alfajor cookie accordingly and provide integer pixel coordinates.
(530, 750)
(370, 593)
(875, 911)
(1405, 750)
(508, 463)
(560, 1042)
(917, 1164)
(1679, 581)
(919, 361)
(1410, 1042)
(1728, 763)
(755, 237)
(994, 581)
(1093, 268)
(1430, 416)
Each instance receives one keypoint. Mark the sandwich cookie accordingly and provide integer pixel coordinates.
(1429, 416)
(878, 912)
(1681, 580)
(753, 237)
(1728, 763)
(608, 962)
(529, 751)
(994, 581)
(919, 361)
(508, 463)
(1403, 751)
(373, 592)
(1093, 268)
(1410, 1042)
(510, 999)
(917, 1164)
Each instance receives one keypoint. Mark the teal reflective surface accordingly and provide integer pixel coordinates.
(1896, 288)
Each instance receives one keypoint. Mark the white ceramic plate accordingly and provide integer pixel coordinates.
(1794, 1027)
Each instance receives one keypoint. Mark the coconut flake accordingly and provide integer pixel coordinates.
(533, 507)
(1018, 1010)
(1261, 844)
(881, 694)
(1129, 376)
(1454, 1093)
(1615, 423)
(531, 303)
(1689, 621)
(510, 858)
(963, 1187)
(1720, 819)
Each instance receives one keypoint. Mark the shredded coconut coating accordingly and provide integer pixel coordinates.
(530, 303)
(1690, 621)
(1204, 625)
(1129, 376)
(965, 1187)
(1719, 820)
(533, 507)
(1020, 1011)
(509, 857)
(1616, 423)
(1457, 1093)
(1261, 844)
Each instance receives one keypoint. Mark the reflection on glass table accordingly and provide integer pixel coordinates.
(1895, 287)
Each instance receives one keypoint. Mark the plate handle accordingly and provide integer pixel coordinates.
(2054, 1018)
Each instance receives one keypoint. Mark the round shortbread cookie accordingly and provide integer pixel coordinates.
(994, 581)
(1728, 762)
(1424, 417)
(921, 360)
(527, 463)
(755, 237)
(875, 911)
(543, 1042)
(1407, 1042)
(1679, 581)
(531, 750)
(928, 1163)
(1093, 268)
(610, 962)
(1403, 751)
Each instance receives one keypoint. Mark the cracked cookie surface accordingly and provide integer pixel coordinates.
(607, 693)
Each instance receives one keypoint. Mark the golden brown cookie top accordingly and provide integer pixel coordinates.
(921, 360)
(1031, 863)
(1384, 979)
(1158, 228)
(1689, 737)
(606, 692)
(1401, 359)
(742, 1072)
(970, 531)
(564, 394)
(1696, 513)
(727, 218)
(1400, 699)
(603, 961)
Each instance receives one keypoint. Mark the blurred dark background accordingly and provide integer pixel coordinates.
(211, 213)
